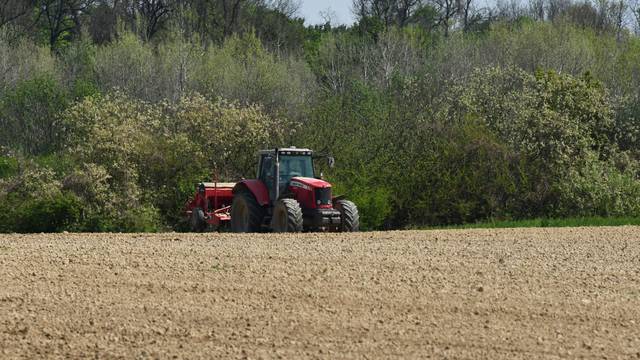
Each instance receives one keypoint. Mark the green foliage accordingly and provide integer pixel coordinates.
(555, 118)
(426, 17)
(242, 70)
(8, 167)
(556, 125)
(373, 201)
(55, 214)
(128, 65)
(32, 201)
(277, 30)
(500, 146)
(370, 26)
(343, 59)
(144, 219)
(23, 60)
(509, 119)
(599, 188)
(533, 45)
(79, 64)
(464, 173)
(29, 116)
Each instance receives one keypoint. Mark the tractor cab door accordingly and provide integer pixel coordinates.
(267, 174)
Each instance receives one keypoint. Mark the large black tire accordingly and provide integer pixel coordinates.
(287, 216)
(349, 217)
(246, 214)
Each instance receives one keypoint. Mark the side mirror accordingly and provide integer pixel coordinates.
(332, 162)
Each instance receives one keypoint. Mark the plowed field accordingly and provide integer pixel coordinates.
(536, 293)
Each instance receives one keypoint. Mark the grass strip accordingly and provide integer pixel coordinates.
(542, 223)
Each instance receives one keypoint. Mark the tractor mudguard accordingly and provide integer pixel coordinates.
(257, 188)
(339, 197)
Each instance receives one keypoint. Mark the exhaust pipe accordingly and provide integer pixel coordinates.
(277, 177)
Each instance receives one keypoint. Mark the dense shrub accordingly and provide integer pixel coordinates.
(462, 173)
(32, 201)
(29, 116)
(55, 214)
(556, 118)
(599, 188)
(554, 124)
(8, 166)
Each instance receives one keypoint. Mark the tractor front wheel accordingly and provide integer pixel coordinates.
(287, 216)
(246, 213)
(349, 217)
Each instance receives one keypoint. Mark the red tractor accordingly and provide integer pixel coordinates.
(286, 197)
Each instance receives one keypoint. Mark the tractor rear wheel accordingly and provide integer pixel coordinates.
(197, 221)
(349, 217)
(246, 213)
(287, 216)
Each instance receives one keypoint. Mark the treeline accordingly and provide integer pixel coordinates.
(437, 112)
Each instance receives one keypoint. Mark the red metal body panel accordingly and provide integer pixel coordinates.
(218, 197)
(257, 187)
(304, 191)
(313, 182)
(303, 195)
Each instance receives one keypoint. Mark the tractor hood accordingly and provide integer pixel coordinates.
(309, 183)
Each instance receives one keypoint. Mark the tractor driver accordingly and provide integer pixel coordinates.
(290, 167)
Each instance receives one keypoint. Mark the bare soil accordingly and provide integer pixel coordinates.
(520, 293)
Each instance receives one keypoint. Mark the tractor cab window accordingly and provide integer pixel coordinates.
(266, 175)
(266, 169)
(295, 166)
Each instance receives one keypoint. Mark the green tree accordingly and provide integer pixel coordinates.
(29, 116)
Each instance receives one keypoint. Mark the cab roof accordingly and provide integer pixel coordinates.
(288, 151)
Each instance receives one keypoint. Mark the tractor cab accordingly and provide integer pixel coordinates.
(287, 164)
